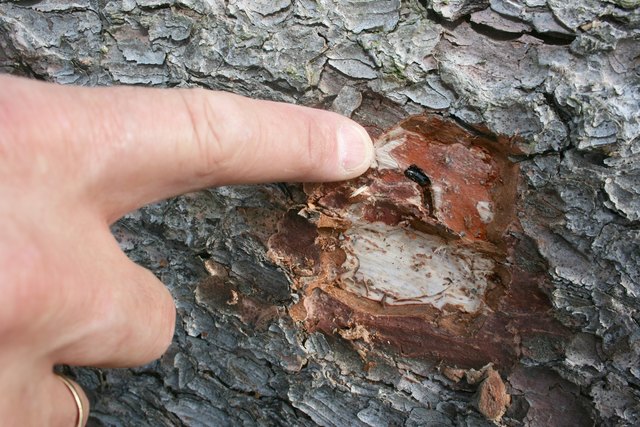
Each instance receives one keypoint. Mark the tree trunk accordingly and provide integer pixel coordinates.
(543, 95)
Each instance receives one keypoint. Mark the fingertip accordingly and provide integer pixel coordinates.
(355, 149)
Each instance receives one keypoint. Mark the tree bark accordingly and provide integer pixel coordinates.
(556, 87)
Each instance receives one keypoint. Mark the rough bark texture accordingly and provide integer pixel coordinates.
(561, 77)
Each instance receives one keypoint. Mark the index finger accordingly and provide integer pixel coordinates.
(140, 145)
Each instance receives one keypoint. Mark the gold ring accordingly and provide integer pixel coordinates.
(76, 396)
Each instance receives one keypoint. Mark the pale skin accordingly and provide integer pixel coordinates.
(74, 160)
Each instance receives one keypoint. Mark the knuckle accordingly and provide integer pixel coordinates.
(142, 320)
(159, 299)
(167, 313)
(206, 123)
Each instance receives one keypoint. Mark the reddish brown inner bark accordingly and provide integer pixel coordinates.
(469, 203)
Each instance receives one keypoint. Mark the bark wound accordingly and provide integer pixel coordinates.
(417, 252)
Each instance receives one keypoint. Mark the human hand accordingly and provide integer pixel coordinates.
(72, 161)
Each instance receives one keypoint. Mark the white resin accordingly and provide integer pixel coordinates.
(485, 211)
(383, 149)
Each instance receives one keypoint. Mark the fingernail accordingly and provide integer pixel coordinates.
(354, 147)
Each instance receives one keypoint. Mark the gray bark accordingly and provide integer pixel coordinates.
(562, 76)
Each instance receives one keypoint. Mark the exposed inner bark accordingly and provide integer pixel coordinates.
(418, 251)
